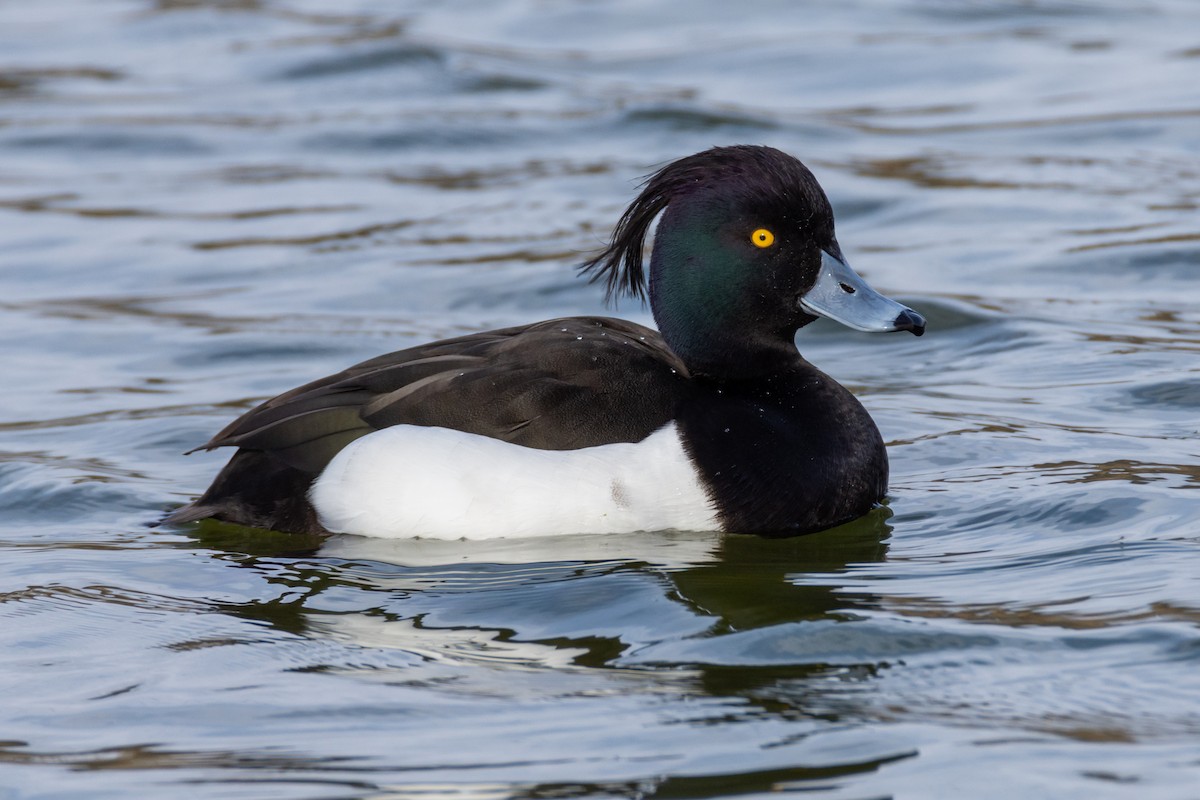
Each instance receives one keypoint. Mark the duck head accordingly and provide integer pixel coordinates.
(744, 256)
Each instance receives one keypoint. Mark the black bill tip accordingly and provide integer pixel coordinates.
(909, 320)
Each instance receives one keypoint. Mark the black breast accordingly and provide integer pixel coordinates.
(793, 453)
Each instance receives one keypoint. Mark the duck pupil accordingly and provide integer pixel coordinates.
(847, 288)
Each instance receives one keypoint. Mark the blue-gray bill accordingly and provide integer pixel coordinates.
(841, 294)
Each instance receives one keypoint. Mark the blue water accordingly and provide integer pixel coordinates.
(203, 204)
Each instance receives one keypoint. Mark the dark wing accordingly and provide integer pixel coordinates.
(561, 384)
(556, 385)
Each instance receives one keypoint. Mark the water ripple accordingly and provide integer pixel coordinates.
(207, 202)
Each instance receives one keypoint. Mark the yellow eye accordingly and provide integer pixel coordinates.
(762, 238)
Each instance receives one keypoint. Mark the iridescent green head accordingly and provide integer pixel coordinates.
(744, 255)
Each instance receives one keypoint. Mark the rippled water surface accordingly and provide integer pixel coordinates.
(203, 203)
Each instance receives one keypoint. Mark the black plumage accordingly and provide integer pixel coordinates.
(779, 446)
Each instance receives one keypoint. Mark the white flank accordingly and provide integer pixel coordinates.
(407, 481)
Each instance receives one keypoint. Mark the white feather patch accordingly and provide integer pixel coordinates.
(407, 481)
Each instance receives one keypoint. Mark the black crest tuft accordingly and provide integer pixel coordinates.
(744, 169)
